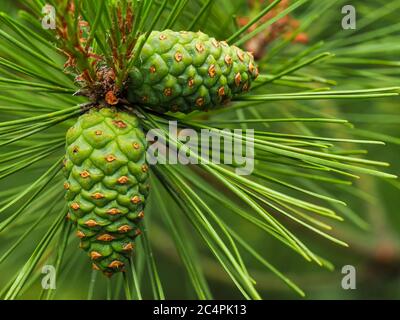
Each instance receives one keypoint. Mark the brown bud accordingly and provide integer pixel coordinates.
(110, 158)
(167, 92)
(80, 234)
(251, 67)
(178, 56)
(119, 124)
(114, 211)
(215, 43)
(240, 54)
(136, 200)
(125, 228)
(238, 79)
(95, 255)
(75, 206)
(123, 180)
(116, 264)
(199, 47)
(91, 223)
(200, 102)
(128, 247)
(228, 60)
(97, 195)
(211, 71)
(105, 237)
(85, 174)
(111, 99)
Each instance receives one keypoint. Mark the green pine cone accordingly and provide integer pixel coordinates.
(107, 184)
(186, 71)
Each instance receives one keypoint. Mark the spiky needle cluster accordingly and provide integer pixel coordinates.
(101, 77)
